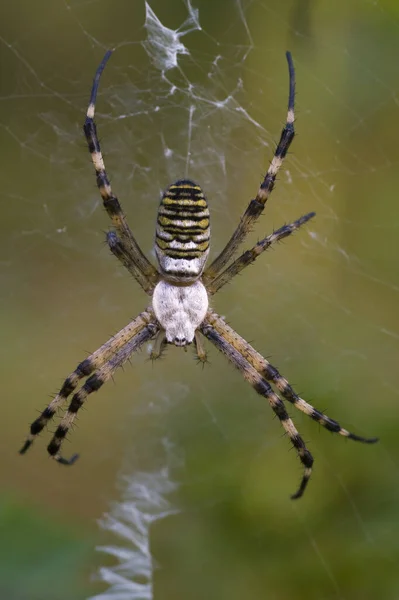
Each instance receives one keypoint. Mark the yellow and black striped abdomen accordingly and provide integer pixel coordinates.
(183, 231)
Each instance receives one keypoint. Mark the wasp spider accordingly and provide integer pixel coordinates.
(179, 290)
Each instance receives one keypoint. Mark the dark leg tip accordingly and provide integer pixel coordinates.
(297, 495)
(358, 438)
(67, 461)
(26, 446)
(373, 440)
(303, 485)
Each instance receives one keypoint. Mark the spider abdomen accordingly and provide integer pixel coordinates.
(183, 232)
(180, 310)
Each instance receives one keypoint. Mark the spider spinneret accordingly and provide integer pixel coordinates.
(179, 309)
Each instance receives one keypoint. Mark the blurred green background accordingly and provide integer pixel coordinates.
(323, 305)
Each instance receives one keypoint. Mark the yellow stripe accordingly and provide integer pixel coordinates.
(184, 202)
(165, 222)
(185, 186)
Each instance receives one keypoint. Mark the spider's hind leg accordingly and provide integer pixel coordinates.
(257, 204)
(249, 256)
(122, 252)
(128, 251)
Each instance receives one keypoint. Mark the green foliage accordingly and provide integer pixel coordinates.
(40, 557)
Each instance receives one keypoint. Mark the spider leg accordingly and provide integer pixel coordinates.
(256, 206)
(121, 251)
(84, 369)
(200, 350)
(159, 345)
(270, 373)
(261, 386)
(110, 201)
(250, 256)
(92, 384)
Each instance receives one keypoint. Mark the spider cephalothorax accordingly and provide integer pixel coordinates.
(179, 309)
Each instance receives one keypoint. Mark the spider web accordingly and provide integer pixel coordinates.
(202, 93)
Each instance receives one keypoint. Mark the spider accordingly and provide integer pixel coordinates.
(179, 311)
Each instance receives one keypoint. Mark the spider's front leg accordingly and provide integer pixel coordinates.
(258, 372)
(93, 384)
(261, 386)
(92, 363)
(270, 373)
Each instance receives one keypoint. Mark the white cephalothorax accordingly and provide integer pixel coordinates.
(180, 310)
